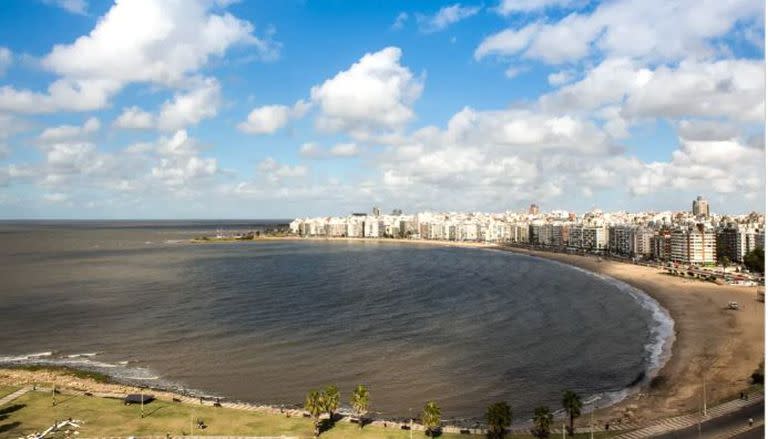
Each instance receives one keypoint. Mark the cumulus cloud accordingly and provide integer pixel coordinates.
(655, 30)
(375, 94)
(134, 118)
(726, 88)
(723, 166)
(445, 17)
(69, 132)
(148, 41)
(507, 42)
(190, 107)
(269, 119)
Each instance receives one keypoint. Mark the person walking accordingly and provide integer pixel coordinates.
(751, 421)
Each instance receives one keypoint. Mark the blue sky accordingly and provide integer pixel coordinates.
(261, 109)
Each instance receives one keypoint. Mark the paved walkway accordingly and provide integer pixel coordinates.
(8, 398)
(686, 421)
(739, 430)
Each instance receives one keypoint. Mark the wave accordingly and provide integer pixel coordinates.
(658, 348)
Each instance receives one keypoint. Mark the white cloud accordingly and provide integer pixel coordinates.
(374, 94)
(56, 197)
(178, 173)
(270, 118)
(511, 72)
(143, 41)
(265, 120)
(507, 42)
(189, 108)
(560, 78)
(507, 7)
(134, 118)
(69, 132)
(344, 150)
(79, 7)
(400, 21)
(310, 150)
(6, 59)
(655, 30)
(445, 17)
(723, 166)
(180, 144)
(275, 172)
(728, 88)
(62, 95)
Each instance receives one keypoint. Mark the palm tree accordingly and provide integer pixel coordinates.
(430, 417)
(315, 405)
(572, 406)
(359, 402)
(499, 417)
(331, 398)
(542, 422)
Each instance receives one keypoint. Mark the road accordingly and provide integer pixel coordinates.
(722, 425)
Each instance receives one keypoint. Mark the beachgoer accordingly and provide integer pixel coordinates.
(751, 421)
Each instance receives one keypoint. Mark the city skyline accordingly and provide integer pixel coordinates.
(227, 109)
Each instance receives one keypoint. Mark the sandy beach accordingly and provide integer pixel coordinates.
(713, 344)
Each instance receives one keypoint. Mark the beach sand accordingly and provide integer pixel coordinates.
(712, 343)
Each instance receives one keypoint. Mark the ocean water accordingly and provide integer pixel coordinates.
(265, 322)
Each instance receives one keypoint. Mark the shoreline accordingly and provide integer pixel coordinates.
(670, 392)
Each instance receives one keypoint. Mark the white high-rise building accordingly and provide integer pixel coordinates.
(693, 245)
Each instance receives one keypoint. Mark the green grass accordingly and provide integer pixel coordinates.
(7, 390)
(33, 412)
(110, 417)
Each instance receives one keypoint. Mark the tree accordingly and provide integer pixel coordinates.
(315, 405)
(430, 417)
(572, 406)
(724, 261)
(542, 422)
(331, 400)
(755, 260)
(499, 417)
(359, 402)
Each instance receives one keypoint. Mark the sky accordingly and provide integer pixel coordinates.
(263, 109)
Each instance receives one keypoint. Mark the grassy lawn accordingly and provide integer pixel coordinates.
(7, 390)
(109, 417)
(106, 417)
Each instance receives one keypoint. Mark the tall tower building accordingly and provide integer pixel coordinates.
(376, 211)
(534, 209)
(700, 206)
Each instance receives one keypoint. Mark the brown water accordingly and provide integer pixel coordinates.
(265, 322)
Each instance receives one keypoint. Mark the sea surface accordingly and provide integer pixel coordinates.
(264, 322)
